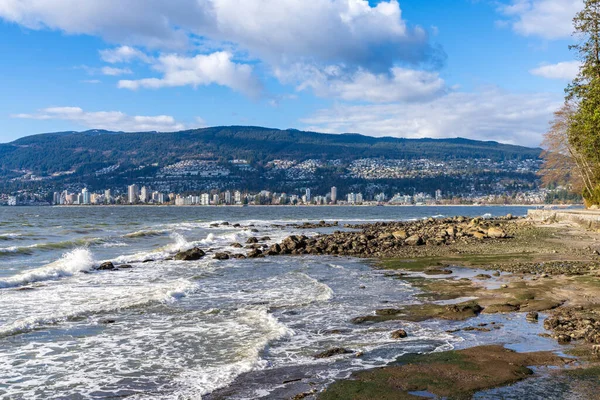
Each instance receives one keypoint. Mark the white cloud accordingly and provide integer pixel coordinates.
(548, 19)
(332, 31)
(488, 115)
(123, 54)
(567, 70)
(400, 84)
(116, 71)
(216, 68)
(91, 81)
(109, 120)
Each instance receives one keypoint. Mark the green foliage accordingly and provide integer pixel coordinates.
(584, 91)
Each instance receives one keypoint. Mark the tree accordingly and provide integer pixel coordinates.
(583, 95)
(563, 165)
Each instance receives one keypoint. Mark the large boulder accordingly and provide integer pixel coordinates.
(399, 334)
(190, 255)
(496, 233)
(106, 266)
(414, 240)
(221, 256)
(402, 235)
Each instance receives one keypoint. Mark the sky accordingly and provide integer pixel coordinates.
(479, 69)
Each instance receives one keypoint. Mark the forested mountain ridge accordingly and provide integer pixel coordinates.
(86, 151)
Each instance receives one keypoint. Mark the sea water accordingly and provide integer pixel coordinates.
(183, 329)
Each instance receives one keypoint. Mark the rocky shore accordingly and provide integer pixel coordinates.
(522, 266)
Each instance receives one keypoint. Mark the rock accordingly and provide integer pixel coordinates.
(107, 321)
(225, 223)
(532, 316)
(496, 233)
(497, 273)
(265, 239)
(236, 245)
(483, 276)
(388, 311)
(190, 255)
(336, 351)
(254, 230)
(255, 253)
(106, 266)
(415, 240)
(500, 308)
(563, 339)
(125, 266)
(215, 225)
(252, 240)
(399, 334)
(479, 235)
(221, 256)
(402, 235)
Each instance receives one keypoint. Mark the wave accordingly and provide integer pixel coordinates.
(201, 381)
(11, 236)
(145, 233)
(167, 294)
(78, 260)
(51, 246)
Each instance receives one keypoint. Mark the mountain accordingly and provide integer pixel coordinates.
(274, 159)
(63, 151)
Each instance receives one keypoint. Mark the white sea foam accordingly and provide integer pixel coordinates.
(169, 292)
(77, 260)
(197, 382)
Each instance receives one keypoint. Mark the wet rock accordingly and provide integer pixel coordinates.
(500, 308)
(252, 240)
(221, 256)
(483, 276)
(388, 311)
(125, 266)
(190, 255)
(107, 321)
(399, 334)
(255, 253)
(563, 339)
(236, 245)
(336, 351)
(215, 225)
(532, 316)
(265, 239)
(106, 266)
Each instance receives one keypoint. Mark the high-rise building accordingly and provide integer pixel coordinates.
(215, 199)
(438, 195)
(108, 196)
(227, 197)
(132, 194)
(85, 196)
(237, 197)
(205, 199)
(359, 198)
(56, 198)
(351, 198)
(308, 196)
(333, 195)
(144, 194)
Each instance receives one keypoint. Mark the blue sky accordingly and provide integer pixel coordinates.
(489, 70)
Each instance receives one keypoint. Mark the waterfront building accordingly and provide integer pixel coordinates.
(85, 196)
(132, 194)
(205, 199)
(108, 196)
(238, 197)
(227, 197)
(308, 196)
(144, 194)
(438, 195)
(12, 200)
(333, 195)
(56, 198)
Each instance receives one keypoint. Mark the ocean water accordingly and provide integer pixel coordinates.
(181, 330)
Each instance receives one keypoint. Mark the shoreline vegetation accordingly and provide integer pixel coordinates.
(548, 273)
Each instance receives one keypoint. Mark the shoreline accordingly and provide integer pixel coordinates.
(546, 271)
